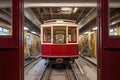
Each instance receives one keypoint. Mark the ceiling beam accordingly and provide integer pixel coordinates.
(80, 14)
(80, 4)
(70, 13)
(6, 17)
(92, 14)
(6, 12)
(58, 3)
(38, 10)
(30, 25)
(57, 13)
(51, 12)
(5, 25)
(31, 16)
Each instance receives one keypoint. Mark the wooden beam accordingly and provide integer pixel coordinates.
(80, 14)
(6, 12)
(51, 12)
(40, 14)
(56, 13)
(5, 25)
(70, 13)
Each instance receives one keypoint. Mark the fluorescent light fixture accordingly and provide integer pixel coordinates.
(28, 37)
(33, 32)
(95, 28)
(75, 9)
(86, 32)
(66, 9)
(113, 23)
(111, 30)
(25, 28)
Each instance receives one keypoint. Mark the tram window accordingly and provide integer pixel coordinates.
(114, 18)
(72, 34)
(59, 35)
(4, 31)
(6, 18)
(47, 35)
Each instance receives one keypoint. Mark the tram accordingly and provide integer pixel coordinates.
(59, 40)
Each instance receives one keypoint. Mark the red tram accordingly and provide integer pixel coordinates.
(59, 40)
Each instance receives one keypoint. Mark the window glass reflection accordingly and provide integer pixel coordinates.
(59, 34)
(47, 35)
(72, 32)
(5, 18)
(114, 17)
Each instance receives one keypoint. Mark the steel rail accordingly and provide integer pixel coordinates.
(80, 68)
(75, 74)
(67, 72)
(41, 75)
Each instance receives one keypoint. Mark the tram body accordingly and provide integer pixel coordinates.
(59, 40)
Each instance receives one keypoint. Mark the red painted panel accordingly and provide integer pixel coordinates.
(11, 48)
(115, 65)
(9, 65)
(72, 49)
(59, 50)
(108, 47)
(46, 49)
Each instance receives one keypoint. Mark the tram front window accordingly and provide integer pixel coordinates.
(72, 34)
(59, 38)
(59, 34)
(47, 35)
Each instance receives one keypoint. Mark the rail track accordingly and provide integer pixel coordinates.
(59, 72)
(31, 64)
(91, 64)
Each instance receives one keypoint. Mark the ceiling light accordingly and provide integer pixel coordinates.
(25, 28)
(95, 28)
(113, 23)
(66, 9)
(111, 30)
(86, 32)
(33, 32)
(75, 9)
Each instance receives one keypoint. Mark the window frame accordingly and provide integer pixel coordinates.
(75, 35)
(13, 41)
(43, 35)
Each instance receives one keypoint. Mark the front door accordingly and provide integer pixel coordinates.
(109, 39)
